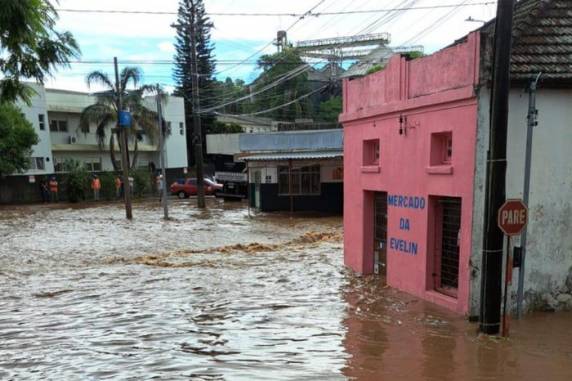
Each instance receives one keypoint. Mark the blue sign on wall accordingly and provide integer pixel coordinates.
(125, 119)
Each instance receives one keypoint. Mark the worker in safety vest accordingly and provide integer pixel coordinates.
(53, 189)
(118, 187)
(96, 186)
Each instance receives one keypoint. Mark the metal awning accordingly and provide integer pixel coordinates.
(277, 156)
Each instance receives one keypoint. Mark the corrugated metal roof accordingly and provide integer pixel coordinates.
(542, 40)
(294, 156)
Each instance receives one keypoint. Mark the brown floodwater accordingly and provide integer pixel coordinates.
(217, 295)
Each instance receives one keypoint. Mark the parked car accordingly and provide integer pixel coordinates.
(184, 188)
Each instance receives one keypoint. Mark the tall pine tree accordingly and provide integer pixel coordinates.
(206, 65)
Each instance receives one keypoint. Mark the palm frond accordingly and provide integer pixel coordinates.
(99, 77)
(130, 74)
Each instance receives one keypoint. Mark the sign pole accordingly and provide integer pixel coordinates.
(507, 283)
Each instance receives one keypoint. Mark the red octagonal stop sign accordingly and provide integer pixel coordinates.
(512, 217)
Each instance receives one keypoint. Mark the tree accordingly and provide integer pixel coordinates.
(104, 111)
(274, 66)
(17, 136)
(205, 60)
(30, 45)
(331, 109)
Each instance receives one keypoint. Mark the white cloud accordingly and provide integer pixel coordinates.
(100, 34)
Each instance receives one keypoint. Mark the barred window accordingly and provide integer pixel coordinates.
(305, 180)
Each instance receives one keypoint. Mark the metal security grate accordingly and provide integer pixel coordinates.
(451, 225)
(380, 231)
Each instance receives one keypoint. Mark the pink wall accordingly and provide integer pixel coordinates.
(435, 94)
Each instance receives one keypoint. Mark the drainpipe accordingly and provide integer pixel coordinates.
(492, 265)
(532, 122)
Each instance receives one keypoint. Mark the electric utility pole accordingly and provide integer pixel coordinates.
(163, 183)
(123, 144)
(492, 265)
(197, 130)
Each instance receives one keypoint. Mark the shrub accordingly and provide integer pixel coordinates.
(78, 180)
(107, 185)
(140, 182)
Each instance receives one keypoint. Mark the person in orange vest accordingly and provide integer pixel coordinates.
(118, 187)
(53, 189)
(96, 186)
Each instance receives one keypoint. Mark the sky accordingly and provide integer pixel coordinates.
(144, 37)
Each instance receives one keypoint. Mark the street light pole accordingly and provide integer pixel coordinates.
(163, 189)
(123, 145)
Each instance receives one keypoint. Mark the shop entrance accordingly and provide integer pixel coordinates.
(447, 211)
(380, 233)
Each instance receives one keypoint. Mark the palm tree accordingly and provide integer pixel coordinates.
(31, 46)
(104, 111)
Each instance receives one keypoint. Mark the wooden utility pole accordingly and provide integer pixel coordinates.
(491, 277)
(123, 145)
(163, 190)
(197, 130)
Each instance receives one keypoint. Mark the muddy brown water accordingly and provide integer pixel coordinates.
(216, 295)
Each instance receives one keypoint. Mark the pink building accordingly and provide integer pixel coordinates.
(415, 145)
(409, 159)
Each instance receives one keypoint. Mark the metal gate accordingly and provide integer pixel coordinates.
(447, 258)
(380, 233)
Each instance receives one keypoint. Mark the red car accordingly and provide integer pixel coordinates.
(184, 188)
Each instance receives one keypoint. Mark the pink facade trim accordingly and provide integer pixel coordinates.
(424, 113)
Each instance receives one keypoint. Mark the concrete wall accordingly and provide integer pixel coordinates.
(292, 141)
(401, 107)
(549, 257)
(223, 144)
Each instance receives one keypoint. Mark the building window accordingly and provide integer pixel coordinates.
(93, 165)
(181, 128)
(305, 180)
(441, 148)
(42, 121)
(168, 132)
(59, 165)
(58, 125)
(371, 152)
(37, 163)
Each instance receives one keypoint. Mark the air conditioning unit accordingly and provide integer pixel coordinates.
(72, 140)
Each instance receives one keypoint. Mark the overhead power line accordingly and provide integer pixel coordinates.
(276, 14)
(293, 73)
(280, 106)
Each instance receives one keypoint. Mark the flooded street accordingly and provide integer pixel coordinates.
(216, 295)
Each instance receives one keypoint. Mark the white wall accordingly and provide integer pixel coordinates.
(176, 142)
(43, 148)
(549, 249)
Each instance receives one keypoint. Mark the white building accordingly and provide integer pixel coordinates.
(55, 115)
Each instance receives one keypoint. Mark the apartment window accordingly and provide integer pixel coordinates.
(305, 180)
(441, 148)
(42, 121)
(182, 128)
(371, 152)
(168, 132)
(58, 125)
(59, 165)
(93, 165)
(37, 163)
